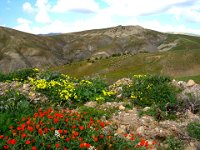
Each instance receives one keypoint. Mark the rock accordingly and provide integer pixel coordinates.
(25, 87)
(140, 130)
(120, 131)
(191, 146)
(121, 107)
(123, 127)
(146, 108)
(119, 96)
(126, 114)
(192, 117)
(190, 83)
(91, 104)
(198, 145)
(165, 146)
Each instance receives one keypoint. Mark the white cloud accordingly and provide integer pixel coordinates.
(158, 26)
(128, 10)
(187, 13)
(141, 7)
(27, 7)
(23, 25)
(42, 15)
(86, 6)
(41, 10)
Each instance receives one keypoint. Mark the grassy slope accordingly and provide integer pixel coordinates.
(181, 62)
(174, 63)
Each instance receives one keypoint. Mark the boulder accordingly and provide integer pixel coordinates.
(190, 83)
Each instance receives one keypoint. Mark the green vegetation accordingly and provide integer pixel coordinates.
(20, 75)
(193, 129)
(177, 64)
(14, 106)
(97, 113)
(173, 143)
(51, 125)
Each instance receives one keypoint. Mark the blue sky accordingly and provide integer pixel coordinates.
(48, 16)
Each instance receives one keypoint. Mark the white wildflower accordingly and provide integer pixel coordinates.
(57, 134)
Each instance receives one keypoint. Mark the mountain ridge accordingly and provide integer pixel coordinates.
(21, 50)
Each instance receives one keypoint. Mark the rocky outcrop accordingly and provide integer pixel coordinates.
(189, 95)
(25, 89)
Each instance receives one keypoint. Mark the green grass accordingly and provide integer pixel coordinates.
(175, 63)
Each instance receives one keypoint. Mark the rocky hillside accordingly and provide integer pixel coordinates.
(19, 49)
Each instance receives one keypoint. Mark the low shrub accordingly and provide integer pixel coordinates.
(149, 90)
(173, 143)
(13, 106)
(13, 101)
(20, 75)
(193, 129)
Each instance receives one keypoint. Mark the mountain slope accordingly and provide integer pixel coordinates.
(175, 63)
(19, 50)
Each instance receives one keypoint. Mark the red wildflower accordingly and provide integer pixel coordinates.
(73, 137)
(41, 114)
(52, 129)
(23, 119)
(6, 138)
(60, 131)
(87, 145)
(66, 120)
(30, 128)
(132, 139)
(57, 145)
(81, 127)
(95, 139)
(41, 122)
(28, 142)
(154, 142)
(49, 110)
(50, 117)
(12, 141)
(23, 135)
(5, 147)
(102, 124)
(82, 145)
(146, 144)
(80, 139)
(142, 142)
(101, 136)
(34, 148)
(11, 127)
(18, 128)
(40, 131)
(67, 139)
(28, 122)
(46, 130)
(75, 133)
(73, 127)
(65, 148)
(55, 120)
(65, 131)
(37, 126)
(91, 120)
(1, 136)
